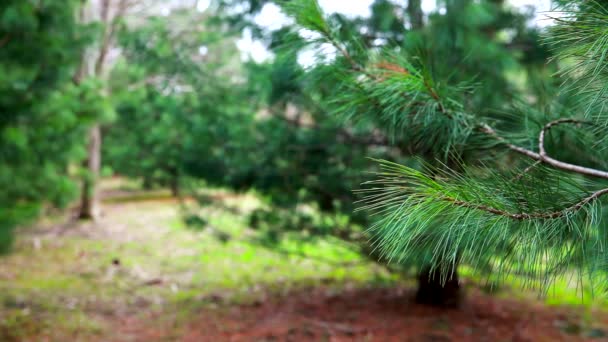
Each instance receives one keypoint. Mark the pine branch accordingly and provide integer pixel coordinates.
(527, 170)
(315, 20)
(541, 137)
(354, 65)
(544, 158)
(531, 216)
(401, 182)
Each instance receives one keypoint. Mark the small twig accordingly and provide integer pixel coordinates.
(354, 65)
(546, 159)
(152, 282)
(526, 170)
(541, 136)
(435, 96)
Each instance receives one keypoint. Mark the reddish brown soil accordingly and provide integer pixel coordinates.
(380, 315)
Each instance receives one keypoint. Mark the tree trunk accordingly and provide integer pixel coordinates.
(148, 183)
(89, 204)
(414, 12)
(93, 65)
(174, 182)
(175, 189)
(88, 201)
(433, 290)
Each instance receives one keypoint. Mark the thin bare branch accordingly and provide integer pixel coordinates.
(541, 137)
(490, 131)
(546, 159)
(526, 170)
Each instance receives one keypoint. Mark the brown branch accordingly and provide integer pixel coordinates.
(544, 158)
(485, 128)
(354, 65)
(5, 40)
(541, 137)
(530, 216)
(392, 67)
(106, 37)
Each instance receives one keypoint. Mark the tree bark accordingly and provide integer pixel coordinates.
(89, 203)
(93, 65)
(414, 11)
(433, 290)
(174, 184)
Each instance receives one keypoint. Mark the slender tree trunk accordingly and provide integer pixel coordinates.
(89, 207)
(88, 202)
(414, 12)
(175, 188)
(174, 181)
(148, 184)
(93, 65)
(433, 290)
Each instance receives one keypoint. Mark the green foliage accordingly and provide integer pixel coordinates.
(44, 115)
(304, 222)
(581, 39)
(179, 113)
(542, 220)
(533, 226)
(308, 14)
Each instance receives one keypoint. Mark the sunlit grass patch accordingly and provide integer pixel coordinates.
(142, 255)
(566, 290)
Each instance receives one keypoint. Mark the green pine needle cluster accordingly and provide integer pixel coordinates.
(581, 40)
(533, 224)
(541, 221)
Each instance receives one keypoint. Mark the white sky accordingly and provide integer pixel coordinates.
(272, 18)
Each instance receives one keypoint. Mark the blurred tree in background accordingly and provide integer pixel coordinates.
(181, 101)
(44, 114)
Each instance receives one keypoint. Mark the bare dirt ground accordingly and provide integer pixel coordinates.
(169, 287)
(374, 315)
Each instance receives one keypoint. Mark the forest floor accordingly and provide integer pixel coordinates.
(141, 274)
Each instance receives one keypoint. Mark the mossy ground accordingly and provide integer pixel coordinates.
(82, 281)
(70, 280)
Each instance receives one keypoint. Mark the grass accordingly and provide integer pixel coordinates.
(64, 283)
(76, 282)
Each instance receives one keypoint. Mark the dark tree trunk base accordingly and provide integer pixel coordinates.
(432, 291)
(148, 184)
(175, 190)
